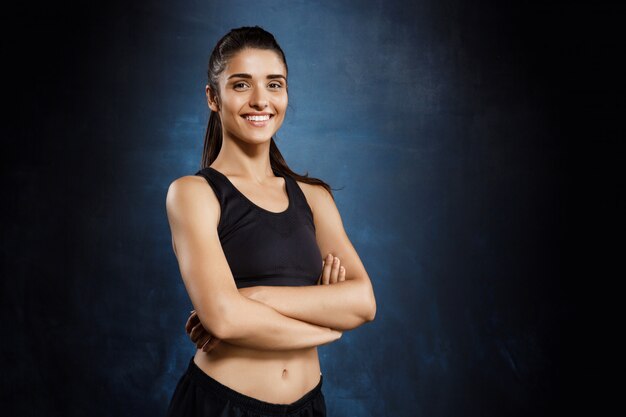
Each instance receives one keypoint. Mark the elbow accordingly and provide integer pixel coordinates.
(367, 312)
(217, 320)
(368, 304)
(370, 311)
(220, 329)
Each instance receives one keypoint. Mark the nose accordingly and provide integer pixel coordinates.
(258, 99)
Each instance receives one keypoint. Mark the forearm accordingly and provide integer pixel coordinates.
(342, 305)
(253, 324)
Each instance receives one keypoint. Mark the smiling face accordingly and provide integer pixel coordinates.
(253, 82)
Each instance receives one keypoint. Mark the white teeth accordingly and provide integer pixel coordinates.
(258, 118)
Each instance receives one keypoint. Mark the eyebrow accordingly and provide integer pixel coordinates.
(269, 77)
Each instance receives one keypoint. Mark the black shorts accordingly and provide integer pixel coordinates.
(197, 394)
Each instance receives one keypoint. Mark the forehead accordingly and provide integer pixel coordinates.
(256, 62)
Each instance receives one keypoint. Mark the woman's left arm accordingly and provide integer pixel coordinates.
(344, 305)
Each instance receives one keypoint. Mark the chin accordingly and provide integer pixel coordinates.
(256, 139)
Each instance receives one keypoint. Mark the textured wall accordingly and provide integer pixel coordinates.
(442, 122)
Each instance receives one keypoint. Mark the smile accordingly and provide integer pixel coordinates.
(258, 121)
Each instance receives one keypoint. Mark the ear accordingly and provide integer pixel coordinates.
(212, 99)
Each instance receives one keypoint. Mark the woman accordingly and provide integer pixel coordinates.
(248, 234)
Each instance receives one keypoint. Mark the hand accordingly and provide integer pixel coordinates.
(199, 335)
(332, 271)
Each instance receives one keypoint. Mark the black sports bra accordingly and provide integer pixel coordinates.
(264, 247)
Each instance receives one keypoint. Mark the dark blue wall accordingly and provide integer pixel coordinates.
(449, 127)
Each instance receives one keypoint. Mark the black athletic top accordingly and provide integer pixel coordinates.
(263, 247)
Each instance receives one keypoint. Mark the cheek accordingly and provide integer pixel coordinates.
(283, 102)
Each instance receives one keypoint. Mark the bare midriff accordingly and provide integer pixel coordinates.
(279, 377)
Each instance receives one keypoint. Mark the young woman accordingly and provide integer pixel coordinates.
(249, 235)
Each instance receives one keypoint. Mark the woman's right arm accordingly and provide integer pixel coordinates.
(193, 215)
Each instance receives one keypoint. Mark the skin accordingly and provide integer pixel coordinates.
(332, 272)
(344, 297)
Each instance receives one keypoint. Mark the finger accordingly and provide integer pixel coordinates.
(204, 342)
(201, 338)
(211, 344)
(334, 273)
(327, 268)
(214, 342)
(191, 322)
(342, 274)
(196, 332)
(192, 314)
(206, 337)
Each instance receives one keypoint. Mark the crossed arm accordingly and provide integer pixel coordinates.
(302, 304)
(344, 305)
(344, 299)
(340, 310)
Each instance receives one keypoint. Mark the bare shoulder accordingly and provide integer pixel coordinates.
(192, 194)
(316, 195)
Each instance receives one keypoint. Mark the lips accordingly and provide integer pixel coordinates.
(257, 119)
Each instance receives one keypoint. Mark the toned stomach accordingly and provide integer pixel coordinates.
(279, 377)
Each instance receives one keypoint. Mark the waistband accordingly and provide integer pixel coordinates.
(214, 385)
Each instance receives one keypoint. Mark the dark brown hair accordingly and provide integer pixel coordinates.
(233, 42)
